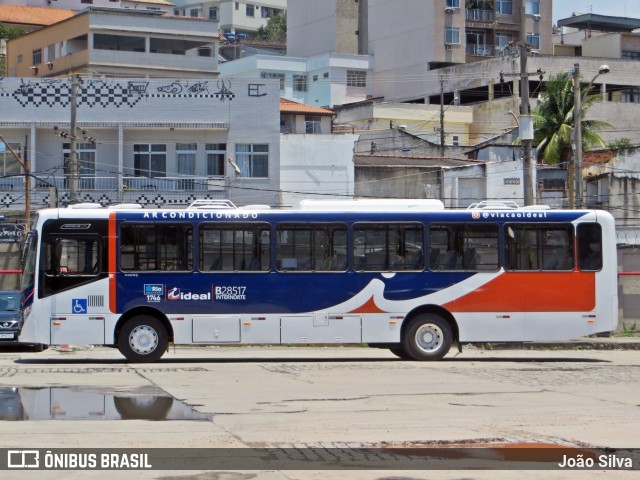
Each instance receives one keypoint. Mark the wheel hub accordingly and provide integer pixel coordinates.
(143, 339)
(429, 337)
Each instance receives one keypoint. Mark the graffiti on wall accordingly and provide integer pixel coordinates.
(103, 93)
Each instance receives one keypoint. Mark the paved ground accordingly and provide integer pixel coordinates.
(584, 394)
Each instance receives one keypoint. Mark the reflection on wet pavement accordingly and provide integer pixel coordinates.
(78, 403)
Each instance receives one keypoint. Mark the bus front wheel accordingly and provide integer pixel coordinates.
(427, 337)
(143, 339)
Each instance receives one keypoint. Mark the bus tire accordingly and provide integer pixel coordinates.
(427, 337)
(143, 339)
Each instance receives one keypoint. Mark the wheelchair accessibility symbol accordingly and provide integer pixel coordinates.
(79, 305)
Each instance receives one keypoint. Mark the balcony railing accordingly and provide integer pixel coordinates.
(90, 183)
(481, 50)
(479, 15)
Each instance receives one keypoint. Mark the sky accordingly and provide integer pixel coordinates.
(617, 8)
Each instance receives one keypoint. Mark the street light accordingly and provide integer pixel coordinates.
(575, 173)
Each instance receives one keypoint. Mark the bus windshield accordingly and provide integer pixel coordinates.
(29, 261)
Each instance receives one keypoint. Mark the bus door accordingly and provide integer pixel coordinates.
(321, 327)
(540, 258)
(70, 267)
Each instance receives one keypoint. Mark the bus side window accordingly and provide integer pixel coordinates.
(589, 246)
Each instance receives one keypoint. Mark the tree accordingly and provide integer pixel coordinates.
(8, 33)
(276, 29)
(553, 121)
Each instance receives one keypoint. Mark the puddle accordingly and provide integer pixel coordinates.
(78, 403)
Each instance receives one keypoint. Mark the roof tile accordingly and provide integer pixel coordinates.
(42, 16)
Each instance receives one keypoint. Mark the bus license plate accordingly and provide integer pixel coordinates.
(6, 336)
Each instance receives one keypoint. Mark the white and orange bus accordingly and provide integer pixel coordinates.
(407, 275)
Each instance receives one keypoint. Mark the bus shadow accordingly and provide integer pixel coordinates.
(302, 359)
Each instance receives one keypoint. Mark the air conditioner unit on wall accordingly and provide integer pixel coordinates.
(448, 10)
(537, 17)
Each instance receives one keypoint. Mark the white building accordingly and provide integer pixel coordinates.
(154, 142)
(233, 17)
(324, 80)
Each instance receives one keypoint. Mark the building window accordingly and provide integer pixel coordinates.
(193, 12)
(250, 10)
(452, 36)
(186, 160)
(631, 55)
(150, 160)
(532, 7)
(315, 78)
(237, 6)
(452, 3)
(299, 83)
(253, 160)
(51, 53)
(533, 39)
(502, 41)
(504, 7)
(325, 75)
(86, 1)
(215, 153)
(631, 95)
(86, 157)
(8, 163)
(279, 76)
(36, 57)
(19, 59)
(312, 124)
(213, 13)
(455, 140)
(356, 78)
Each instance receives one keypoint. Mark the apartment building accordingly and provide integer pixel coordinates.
(421, 36)
(233, 17)
(118, 42)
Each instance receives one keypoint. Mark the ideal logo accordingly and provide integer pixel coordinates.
(176, 294)
(154, 292)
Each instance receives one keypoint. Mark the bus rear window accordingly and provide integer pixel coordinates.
(589, 246)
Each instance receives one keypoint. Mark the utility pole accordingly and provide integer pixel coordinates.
(526, 122)
(73, 158)
(576, 165)
(27, 182)
(526, 128)
(441, 117)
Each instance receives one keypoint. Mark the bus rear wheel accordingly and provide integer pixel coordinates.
(143, 339)
(427, 337)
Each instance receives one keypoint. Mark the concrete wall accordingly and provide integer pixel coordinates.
(397, 182)
(311, 27)
(316, 166)
(603, 46)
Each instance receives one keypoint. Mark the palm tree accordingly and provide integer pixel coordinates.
(553, 121)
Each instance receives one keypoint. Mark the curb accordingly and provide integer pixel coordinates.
(576, 345)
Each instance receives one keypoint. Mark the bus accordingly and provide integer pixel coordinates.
(407, 275)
